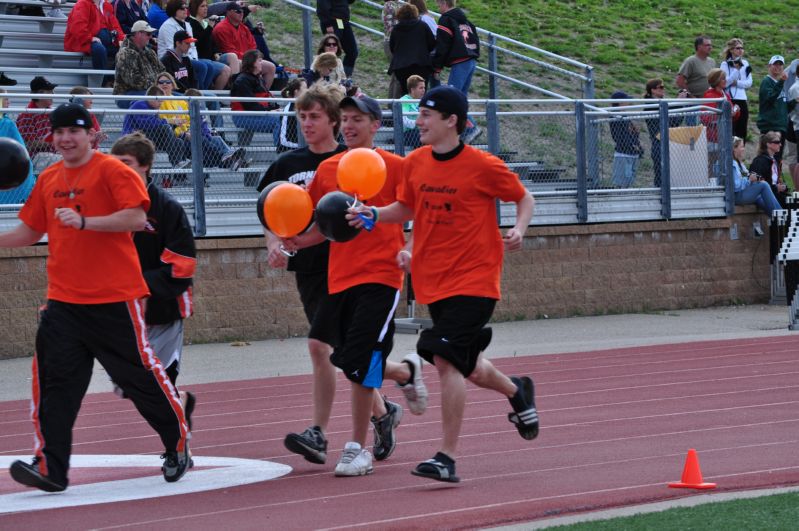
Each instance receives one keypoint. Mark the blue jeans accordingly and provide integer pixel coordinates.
(460, 77)
(214, 148)
(760, 194)
(212, 70)
(103, 50)
(259, 124)
(624, 167)
(200, 72)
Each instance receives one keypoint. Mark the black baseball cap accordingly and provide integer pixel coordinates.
(70, 115)
(365, 104)
(39, 83)
(446, 99)
(183, 36)
(234, 6)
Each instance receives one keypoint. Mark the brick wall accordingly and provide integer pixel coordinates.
(563, 270)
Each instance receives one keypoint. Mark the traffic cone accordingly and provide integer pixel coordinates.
(692, 475)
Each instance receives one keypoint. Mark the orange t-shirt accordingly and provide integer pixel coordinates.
(457, 246)
(370, 257)
(88, 267)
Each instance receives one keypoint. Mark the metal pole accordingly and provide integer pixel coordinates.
(399, 136)
(307, 35)
(665, 163)
(588, 85)
(197, 176)
(493, 127)
(725, 156)
(580, 146)
(492, 66)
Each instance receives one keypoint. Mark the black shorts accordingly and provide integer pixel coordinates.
(360, 321)
(459, 333)
(313, 290)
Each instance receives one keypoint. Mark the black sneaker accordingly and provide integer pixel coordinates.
(28, 474)
(7, 82)
(385, 441)
(311, 444)
(525, 415)
(175, 463)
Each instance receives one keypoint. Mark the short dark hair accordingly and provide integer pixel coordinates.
(249, 59)
(138, 146)
(699, 41)
(407, 12)
(173, 6)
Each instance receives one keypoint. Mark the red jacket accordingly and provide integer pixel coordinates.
(230, 39)
(85, 21)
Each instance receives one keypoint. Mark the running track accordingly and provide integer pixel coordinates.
(616, 425)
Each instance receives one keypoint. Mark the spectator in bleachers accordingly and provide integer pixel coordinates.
(411, 43)
(34, 127)
(289, 132)
(202, 27)
(334, 18)
(323, 70)
(694, 70)
(158, 130)
(717, 81)
(208, 73)
(748, 189)
(457, 47)
(216, 152)
(410, 111)
(425, 15)
(248, 85)
(628, 147)
(8, 129)
(739, 79)
(137, 64)
(156, 15)
(331, 44)
(656, 89)
(128, 12)
(389, 21)
(79, 96)
(768, 167)
(773, 110)
(233, 36)
(93, 29)
(257, 30)
(176, 61)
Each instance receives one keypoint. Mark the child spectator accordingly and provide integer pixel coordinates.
(79, 94)
(628, 146)
(331, 43)
(289, 133)
(410, 111)
(323, 70)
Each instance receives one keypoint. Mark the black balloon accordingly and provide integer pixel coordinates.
(15, 163)
(262, 200)
(330, 212)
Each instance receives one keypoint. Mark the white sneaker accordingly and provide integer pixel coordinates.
(355, 461)
(416, 392)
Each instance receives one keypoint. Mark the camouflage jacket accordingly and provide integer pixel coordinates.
(136, 69)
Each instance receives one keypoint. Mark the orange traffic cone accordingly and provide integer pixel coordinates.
(692, 475)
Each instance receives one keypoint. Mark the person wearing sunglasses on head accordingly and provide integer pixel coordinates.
(739, 79)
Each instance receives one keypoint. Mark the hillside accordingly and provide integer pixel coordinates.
(627, 42)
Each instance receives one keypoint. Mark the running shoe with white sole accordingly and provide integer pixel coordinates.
(355, 461)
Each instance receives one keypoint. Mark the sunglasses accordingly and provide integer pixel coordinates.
(331, 44)
(164, 82)
(739, 47)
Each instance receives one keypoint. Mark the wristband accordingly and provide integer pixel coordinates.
(82, 223)
(375, 215)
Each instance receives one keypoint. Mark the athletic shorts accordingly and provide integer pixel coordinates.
(360, 323)
(313, 289)
(459, 333)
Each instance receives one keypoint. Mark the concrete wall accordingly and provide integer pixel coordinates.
(563, 270)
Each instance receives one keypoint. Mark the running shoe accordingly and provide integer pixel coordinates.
(385, 441)
(355, 461)
(311, 444)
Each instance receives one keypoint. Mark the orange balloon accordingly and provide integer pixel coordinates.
(361, 172)
(288, 209)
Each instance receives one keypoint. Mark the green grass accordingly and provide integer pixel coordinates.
(778, 512)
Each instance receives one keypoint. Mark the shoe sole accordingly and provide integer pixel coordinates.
(527, 432)
(430, 475)
(364, 473)
(294, 444)
(421, 390)
(21, 474)
(189, 464)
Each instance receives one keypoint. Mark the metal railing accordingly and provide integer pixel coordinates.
(568, 153)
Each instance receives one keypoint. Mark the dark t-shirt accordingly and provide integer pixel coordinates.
(299, 166)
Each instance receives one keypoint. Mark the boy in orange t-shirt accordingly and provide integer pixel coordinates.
(449, 190)
(364, 282)
(88, 204)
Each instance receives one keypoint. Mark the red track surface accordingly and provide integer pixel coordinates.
(616, 426)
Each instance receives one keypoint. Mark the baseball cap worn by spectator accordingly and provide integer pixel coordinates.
(363, 103)
(447, 100)
(141, 25)
(183, 36)
(234, 6)
(70, 115)
(776, 59)
(39, 83)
